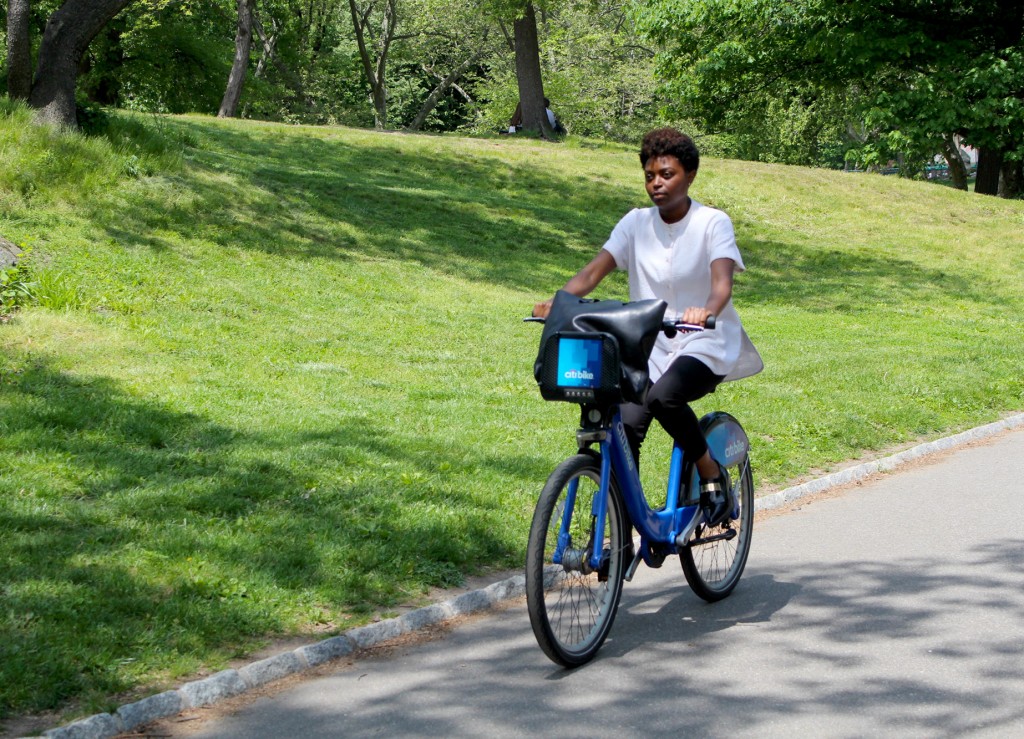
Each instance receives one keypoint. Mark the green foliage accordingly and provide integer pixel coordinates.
(141, 58)
(40, 162)
(293, 388)
(16, 286)
(725, 65)
(894, 77)
(597, 74)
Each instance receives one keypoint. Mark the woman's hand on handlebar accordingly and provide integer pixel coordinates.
(541, 310)
(695, 316)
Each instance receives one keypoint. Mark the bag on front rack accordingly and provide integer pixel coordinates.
(596, 351)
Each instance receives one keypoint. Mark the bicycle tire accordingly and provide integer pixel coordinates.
(571, 610)
(713, 568)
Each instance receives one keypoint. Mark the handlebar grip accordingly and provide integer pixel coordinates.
(672, 327)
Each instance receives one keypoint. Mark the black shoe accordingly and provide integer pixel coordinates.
(716, 498)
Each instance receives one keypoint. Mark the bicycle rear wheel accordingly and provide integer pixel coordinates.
(571, 606)
(714, 559)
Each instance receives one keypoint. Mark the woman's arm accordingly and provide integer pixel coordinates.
(721, 293)
(584, 281)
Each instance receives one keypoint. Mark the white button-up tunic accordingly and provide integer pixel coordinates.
(672, 262)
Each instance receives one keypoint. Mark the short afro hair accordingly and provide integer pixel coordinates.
(669, 142)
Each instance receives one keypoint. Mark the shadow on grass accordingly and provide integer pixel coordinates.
(166, 541)
(511, 223)
(479, 217)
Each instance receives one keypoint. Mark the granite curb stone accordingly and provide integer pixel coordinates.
(371, 634)
(272, 668)
(154, 707)
(100, 726)
(324, 651)
(427, 616)
(225, 684)
(233, 682)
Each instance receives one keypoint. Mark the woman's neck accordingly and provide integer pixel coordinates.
(676, 214)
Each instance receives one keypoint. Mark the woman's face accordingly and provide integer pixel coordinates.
(668, 185)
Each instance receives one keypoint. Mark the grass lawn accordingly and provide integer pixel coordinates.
(276, 379)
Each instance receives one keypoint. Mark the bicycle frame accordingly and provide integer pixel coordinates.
(670, 526)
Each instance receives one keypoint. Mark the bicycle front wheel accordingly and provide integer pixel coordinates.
(572, 606)
(714, 559)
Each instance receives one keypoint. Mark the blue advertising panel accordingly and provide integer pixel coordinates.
(579, 362)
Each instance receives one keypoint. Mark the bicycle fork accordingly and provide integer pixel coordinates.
(591, 557)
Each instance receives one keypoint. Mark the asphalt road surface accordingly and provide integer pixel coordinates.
(895, 608)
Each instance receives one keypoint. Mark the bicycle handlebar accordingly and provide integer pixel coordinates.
(669, 327)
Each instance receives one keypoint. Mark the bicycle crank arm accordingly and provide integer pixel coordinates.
(631, 570)
(724, 536)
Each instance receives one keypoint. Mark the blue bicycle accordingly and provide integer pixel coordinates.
(581, 547)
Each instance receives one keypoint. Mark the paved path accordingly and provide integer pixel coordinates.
(895, 607)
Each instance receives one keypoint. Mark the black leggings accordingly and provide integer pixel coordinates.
(687, 379)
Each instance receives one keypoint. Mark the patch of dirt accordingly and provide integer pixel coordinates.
(34, 725)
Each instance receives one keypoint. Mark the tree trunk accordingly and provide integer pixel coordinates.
(375, 73)
(290, 78)
(1011, 184)
(531, 85)
(19, 50)
(68, 33)
(243, 45)
(441, 88)
(957, 168)
(990, 161)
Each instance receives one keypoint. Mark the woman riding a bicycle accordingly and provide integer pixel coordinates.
(685, 253)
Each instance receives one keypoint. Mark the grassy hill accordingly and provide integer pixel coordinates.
(276, 379)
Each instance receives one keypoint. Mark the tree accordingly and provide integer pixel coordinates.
(446, 42)
(19, 56)
(243, 45)
(597, 71)
(528, 74)
(924, 71)
(141, 57)
(292, 80)
(67, 35)
(367, 37)
(954, 158)
(443, 85)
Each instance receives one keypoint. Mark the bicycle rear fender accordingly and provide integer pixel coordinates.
(726, 438)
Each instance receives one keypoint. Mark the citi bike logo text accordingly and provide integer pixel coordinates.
(735, 448)
(621, 432)
(578, 375)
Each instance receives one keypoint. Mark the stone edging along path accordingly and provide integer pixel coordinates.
(230, 683)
